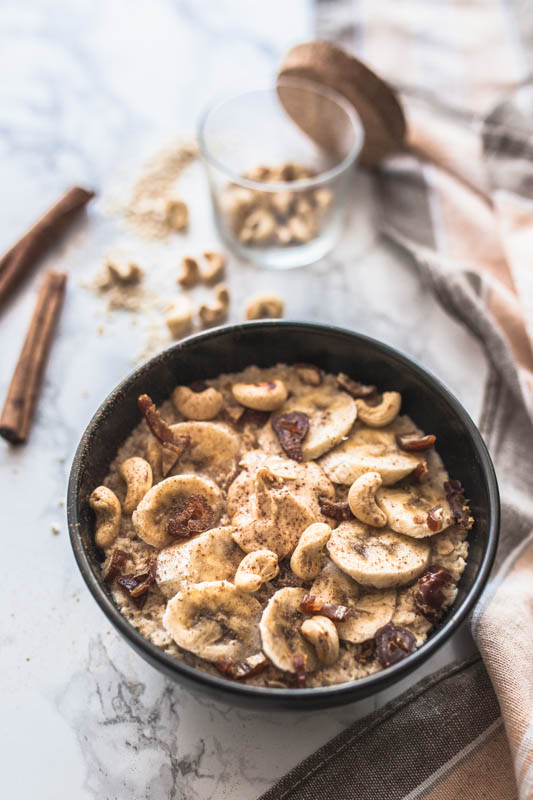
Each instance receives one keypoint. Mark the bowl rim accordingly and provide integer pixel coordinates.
(280, 186)
(292, 698)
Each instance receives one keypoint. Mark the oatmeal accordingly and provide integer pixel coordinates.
(282, 527)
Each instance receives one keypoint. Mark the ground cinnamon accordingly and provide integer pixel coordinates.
(17, 262)
(17, 413)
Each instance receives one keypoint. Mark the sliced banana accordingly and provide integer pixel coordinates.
(407, 507)
(377, 557)
(157, 506)
(280, 630)
(210, 556)
(331, 415)
(214, 450)
(275, 503)
(372, 450)
(370, 612)
(240, 491)
(213, 620)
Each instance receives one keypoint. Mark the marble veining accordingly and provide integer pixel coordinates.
(90, 86)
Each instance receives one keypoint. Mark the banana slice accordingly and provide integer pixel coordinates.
(371, 611)
(210, 556)
(214, 450)
(165, 498)
(334, 586)
(275, 503)
(280, 630)
(214, 620)
(407, 507)
(331, 415)
(372, 450)
(377, 557)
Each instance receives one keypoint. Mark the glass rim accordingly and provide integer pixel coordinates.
(277, 186)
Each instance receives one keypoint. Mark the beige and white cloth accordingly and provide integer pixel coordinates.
(460, 202)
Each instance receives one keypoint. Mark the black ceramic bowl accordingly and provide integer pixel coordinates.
(230, 349)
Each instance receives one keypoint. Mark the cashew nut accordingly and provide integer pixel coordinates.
(306, 561)
(262, 396)
(258, 227)
(179, 317)
(255, 569)
(265, 306)
(214, 270)
(302, 227)
(197, 405)
(177, 214)
(362, 500)
(218, 311)
(190, 273)
(383, 414)
(137, 473)
(106, 506)
(322, 634)
(126, 273)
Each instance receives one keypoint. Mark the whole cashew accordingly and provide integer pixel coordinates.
(137, 473)
(306, 561)
(322, 634)
(190, 273)
(362, 500)
(265, 306)
(106, 506)
(218, 311)
(214, 270)
(255, 569)
(262, 396)
(178, 317)
(383, 414)
(197, 405)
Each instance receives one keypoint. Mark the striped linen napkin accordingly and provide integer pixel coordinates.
(459, 201)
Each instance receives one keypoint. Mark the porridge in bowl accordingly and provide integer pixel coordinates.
(281, 526)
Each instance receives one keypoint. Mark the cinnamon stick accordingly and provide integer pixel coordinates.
(17, 413)
(18, 261)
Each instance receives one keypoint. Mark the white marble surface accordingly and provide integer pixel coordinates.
(87, 86)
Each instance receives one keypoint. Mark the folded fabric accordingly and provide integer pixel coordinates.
(459, 201)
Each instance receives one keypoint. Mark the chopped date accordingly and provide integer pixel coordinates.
(434, 519)
(162, 431)
(338, 511)
(412, 443)
(291, 429)
(311, 605)
(116, 564)
(252, 416)
(241, 670)
(420, 471)
(354, 388)
(429, 596)
(137, 586)
(393, 644)
(459, 504)
(299, 664)
(194, 516)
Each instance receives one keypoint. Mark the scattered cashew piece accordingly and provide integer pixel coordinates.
(255, 569)
(190, 272)
(262, 396)
(265, 306)
(216, 264)
(362, 500)
(218, 311)
(382, 414)
(197, 405)
(178, 318)
(106, 506)
(137, 473)
(322, 634)
(306, 561)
